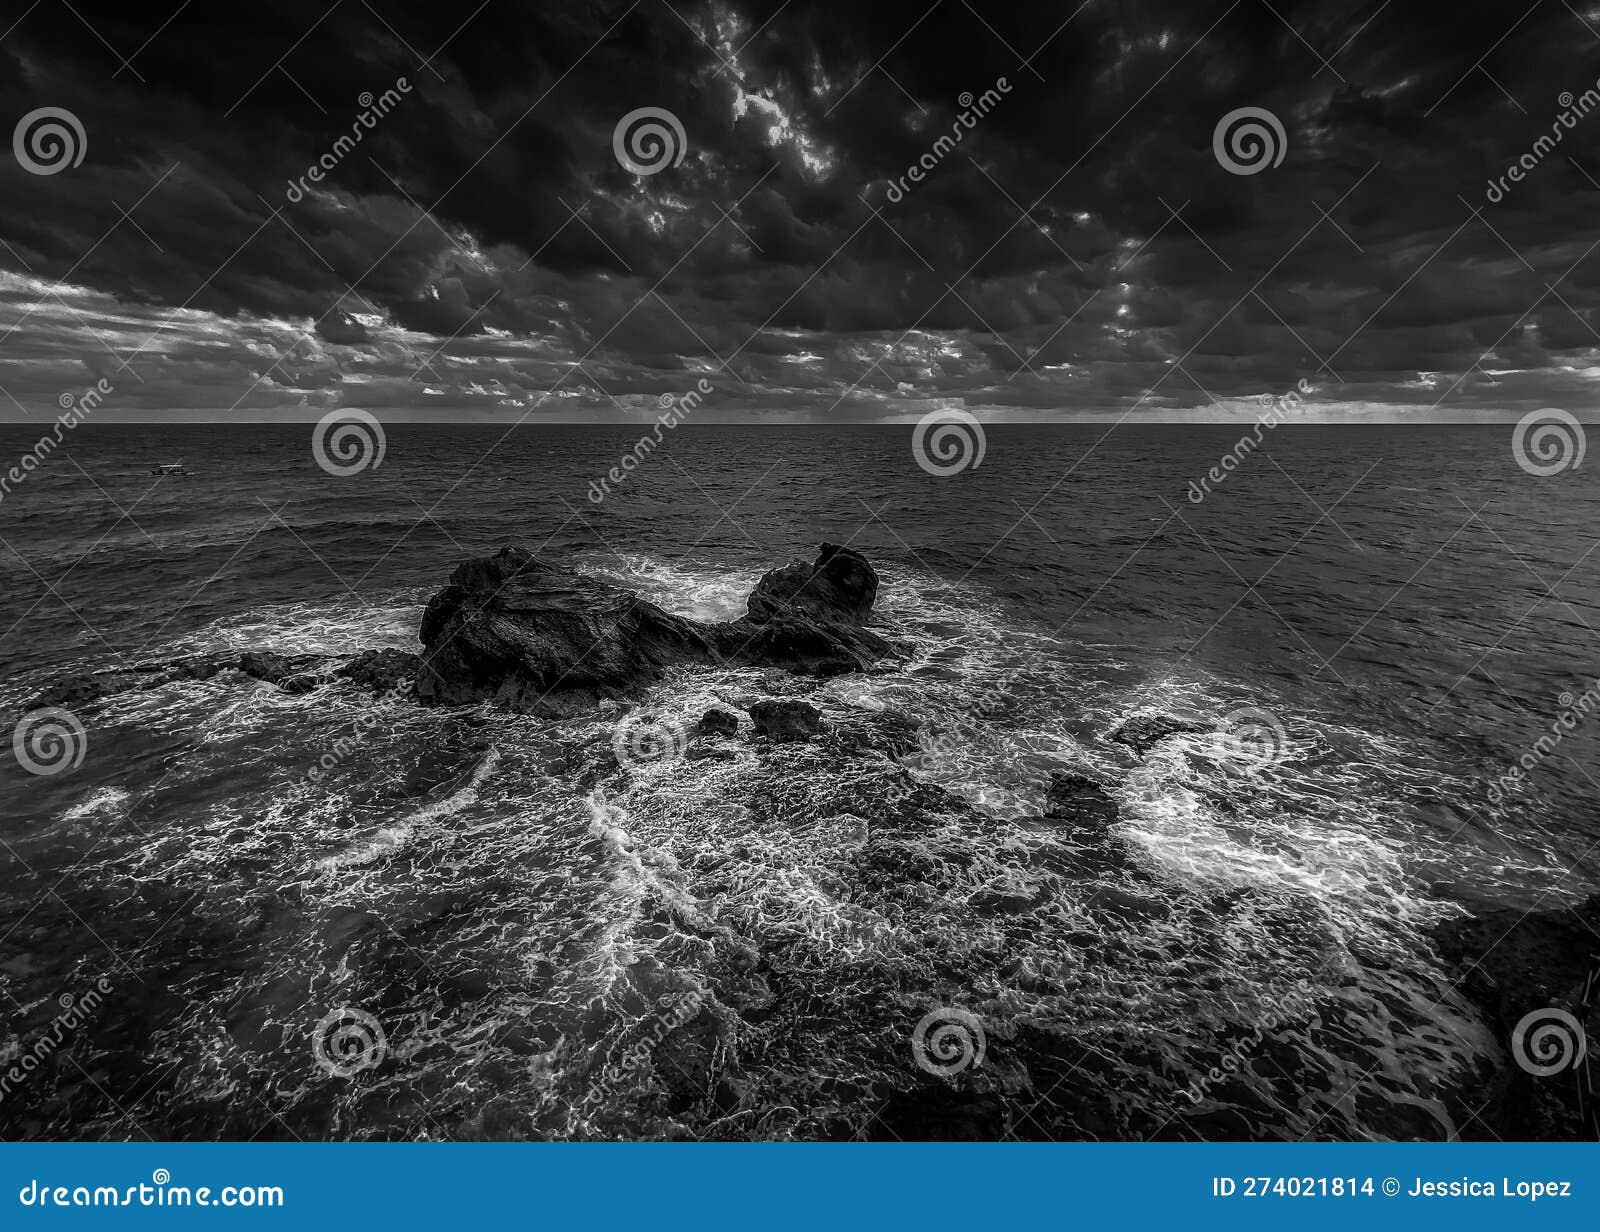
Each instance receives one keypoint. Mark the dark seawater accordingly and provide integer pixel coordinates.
(511, 926)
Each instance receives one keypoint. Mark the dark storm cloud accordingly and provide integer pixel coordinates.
(1080, 247)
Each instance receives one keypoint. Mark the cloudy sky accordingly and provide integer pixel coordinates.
(483, 251)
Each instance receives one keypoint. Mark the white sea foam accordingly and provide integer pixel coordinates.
(385, 840)
(701, 592)
(101, 802)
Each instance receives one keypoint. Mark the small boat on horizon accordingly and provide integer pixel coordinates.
(169, 468)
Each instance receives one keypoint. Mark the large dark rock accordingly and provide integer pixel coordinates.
(1513, 964)
(537, 637)
(786, 719)
(809, 618)
(1142, 732)
(839, 585)
(544, 639)
(719, 722)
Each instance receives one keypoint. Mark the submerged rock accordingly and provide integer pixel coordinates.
(289, 672)
(783, 720)
(883, 731)
(1144, 731)
(1526, 971)
(381, 671)
(84, 688)
(541, 638)
(1080, 802)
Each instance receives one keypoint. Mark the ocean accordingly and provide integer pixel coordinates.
(1405, 610)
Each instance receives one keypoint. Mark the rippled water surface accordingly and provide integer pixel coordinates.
(742, 945)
